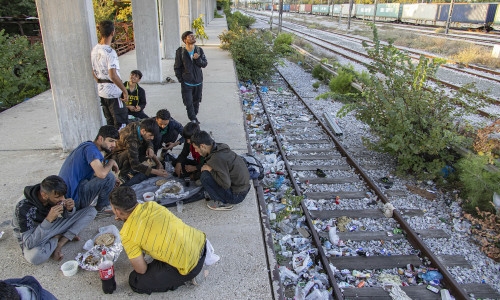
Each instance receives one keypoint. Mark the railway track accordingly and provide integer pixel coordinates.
(476, 71)
(338, 187)
(356, 54)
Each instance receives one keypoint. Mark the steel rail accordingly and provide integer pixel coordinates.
(337, 293)
(412, 236)
(267, 237)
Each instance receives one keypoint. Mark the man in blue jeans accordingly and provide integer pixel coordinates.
(88, 175)
(224, 176)
(23, 288)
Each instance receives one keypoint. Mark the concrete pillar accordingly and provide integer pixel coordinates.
(170, 27)
(147, 40)
(184, 16)
(195, 9)
(69, 33)
(203, 11)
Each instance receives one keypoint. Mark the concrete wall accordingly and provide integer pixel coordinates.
(69, 33)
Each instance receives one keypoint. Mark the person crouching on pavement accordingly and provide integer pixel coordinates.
(178, 250)
(224, 176)
(44, 220)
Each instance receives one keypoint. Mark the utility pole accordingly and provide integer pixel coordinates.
(374, 11)
(272, 13)
(349, 15)
(280, 15)
(449, 17)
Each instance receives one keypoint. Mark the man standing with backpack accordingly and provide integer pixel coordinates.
(188, 63)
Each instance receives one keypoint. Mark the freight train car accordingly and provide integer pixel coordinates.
(345, 10)
(294, 8)
(321, 10)
(420, 13)
(496, 21)
(305, 8)
(390, 12)
(463, 15)
(365, 11)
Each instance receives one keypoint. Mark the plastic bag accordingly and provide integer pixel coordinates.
(210, 258)
(90, 260)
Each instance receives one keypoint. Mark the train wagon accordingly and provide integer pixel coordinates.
(320, 9)
(337, 8)
(421, 13)
(389, 12)
(294, 8)
(477, 15)
(345, 10)
(305, 8)
(286, 7)
(496, 21)
(365, 11)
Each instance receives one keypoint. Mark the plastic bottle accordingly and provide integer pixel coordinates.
(107, 273)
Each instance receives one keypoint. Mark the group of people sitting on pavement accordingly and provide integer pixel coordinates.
(98, 177)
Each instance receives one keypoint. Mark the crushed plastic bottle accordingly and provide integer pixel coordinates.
(279, 182)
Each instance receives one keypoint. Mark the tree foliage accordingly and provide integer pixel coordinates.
(9, 8)
(199, 29)
(23, 71)
(412, 119)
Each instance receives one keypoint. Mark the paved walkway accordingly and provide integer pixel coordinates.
(31, 150)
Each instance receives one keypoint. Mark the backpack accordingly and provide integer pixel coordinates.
(254, 166)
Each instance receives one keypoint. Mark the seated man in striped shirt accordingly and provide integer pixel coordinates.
(178, 250)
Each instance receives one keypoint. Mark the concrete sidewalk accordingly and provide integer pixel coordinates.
(31, 150)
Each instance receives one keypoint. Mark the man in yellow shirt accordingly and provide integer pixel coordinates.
(178, 250)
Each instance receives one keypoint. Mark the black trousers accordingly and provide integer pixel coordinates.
(114, 114)
(191, 97)
(162, 277)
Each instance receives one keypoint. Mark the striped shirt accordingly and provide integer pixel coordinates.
(153, 229)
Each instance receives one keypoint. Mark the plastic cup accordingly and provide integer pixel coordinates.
(180, 206)
(149, 196)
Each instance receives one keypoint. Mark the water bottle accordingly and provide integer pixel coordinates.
(107, 273)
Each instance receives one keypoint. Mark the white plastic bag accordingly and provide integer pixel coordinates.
(210, 258)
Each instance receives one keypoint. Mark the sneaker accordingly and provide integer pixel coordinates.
(105, 210)
(217, 205)
(207, 195)
(200, 278)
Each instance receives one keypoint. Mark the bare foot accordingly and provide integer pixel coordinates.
(76, 239)
(57, 255)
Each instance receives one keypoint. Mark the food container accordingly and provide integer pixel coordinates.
(69, 268)
(149, 196)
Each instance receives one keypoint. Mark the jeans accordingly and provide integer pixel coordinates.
(139, 177)
(218, 193)
(191, 97)
(89, 189)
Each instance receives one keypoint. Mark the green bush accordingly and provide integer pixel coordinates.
(23, 71)
(319, 73)
(478, 183)
(254, 59)
(282, 44)
(341, 83)
(316, 85)
(411, 120)
(237, 19)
